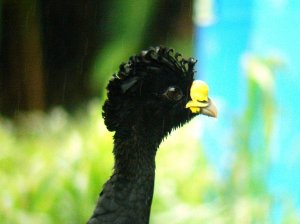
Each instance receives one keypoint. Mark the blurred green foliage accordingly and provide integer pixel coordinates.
(53, 166)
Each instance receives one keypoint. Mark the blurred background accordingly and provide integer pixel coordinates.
(55, 152)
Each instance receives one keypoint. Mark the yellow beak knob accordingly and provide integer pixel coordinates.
(199, 91)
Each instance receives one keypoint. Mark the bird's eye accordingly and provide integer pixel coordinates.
(173, 93)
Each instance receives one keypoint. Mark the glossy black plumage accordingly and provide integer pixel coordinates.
(141, 114)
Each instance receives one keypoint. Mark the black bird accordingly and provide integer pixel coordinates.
(151, 94)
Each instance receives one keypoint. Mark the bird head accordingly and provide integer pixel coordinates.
(155, 92)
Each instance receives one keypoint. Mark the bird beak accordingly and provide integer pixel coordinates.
(201, 103)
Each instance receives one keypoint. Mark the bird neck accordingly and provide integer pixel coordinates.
(127, 195)
(135, 155)
(134, 173)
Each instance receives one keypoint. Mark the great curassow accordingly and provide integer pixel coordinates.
(151, 94)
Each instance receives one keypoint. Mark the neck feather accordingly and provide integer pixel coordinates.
(135, 156)
(127, 195)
